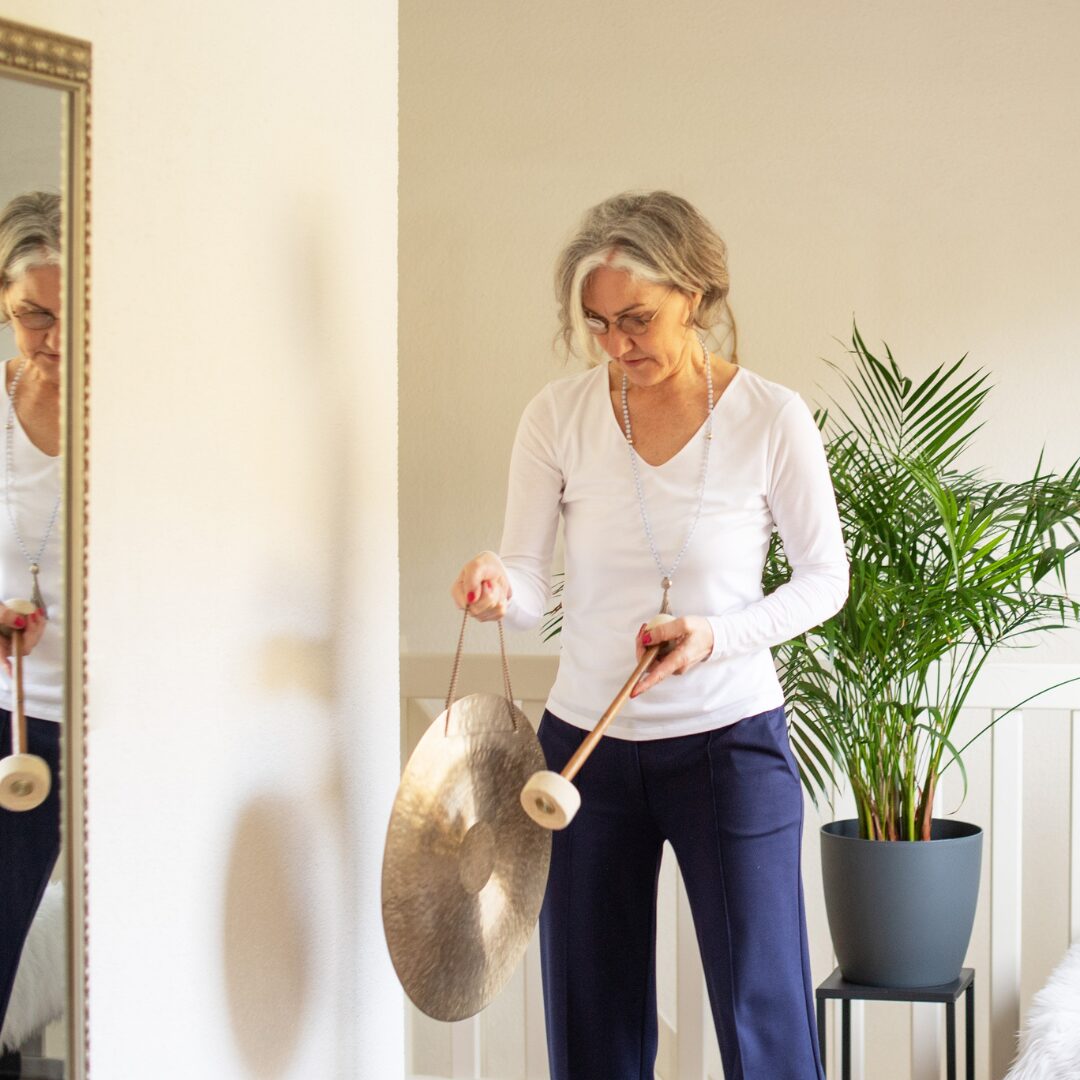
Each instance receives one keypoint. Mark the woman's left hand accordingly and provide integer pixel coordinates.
(692, 642)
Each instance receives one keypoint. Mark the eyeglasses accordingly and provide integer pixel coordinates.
(630, 325)
(37, 319)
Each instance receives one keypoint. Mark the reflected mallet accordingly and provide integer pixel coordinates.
(25, 779)
(550, 798)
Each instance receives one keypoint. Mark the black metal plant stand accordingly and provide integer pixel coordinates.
(835, 986)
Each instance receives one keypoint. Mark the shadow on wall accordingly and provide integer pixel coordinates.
(267, 975)
(305, 962)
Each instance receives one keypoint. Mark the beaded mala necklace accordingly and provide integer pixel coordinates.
(667, 576)
(34, 562)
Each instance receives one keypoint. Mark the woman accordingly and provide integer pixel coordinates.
(670, 466)
(30, 550)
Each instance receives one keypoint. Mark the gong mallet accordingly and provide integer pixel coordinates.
(25, 779)
(550, 798)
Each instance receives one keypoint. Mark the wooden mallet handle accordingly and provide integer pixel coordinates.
(18, 713)
(550, 798)
(25, 779)
(589, 745)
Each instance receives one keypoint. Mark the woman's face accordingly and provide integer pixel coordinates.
(666, 345)
(38, 290)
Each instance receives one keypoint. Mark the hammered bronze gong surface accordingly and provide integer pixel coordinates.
(465, 868)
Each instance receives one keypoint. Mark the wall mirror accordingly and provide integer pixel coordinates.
(44, 166)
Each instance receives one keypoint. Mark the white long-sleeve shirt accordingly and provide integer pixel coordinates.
(767, 469)
(35, 479)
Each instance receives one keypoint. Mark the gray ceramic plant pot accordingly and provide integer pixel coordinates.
(900, 913)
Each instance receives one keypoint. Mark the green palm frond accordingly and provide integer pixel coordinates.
(946, 567)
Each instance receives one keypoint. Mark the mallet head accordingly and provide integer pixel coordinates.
(25, 781)
(550, 799)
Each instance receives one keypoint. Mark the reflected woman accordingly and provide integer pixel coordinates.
(30, 550)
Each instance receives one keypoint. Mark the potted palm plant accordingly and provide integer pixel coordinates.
(947, 566)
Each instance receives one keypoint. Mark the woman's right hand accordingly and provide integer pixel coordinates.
(483, 587)
(32, 627)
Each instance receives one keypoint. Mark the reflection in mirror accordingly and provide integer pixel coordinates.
(32, 931)
(44, 158)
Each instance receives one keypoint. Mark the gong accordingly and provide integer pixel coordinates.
(464, 868)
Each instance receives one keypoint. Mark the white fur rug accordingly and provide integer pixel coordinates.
(1050, 1041)
(37, 998)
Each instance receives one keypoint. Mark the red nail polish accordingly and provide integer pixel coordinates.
(646, 639)
(486, 584)
(20, 623)
(471, 597)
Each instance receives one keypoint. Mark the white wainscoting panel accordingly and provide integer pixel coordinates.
(1044, 891)
(1023, 790)
(1006, 846)
(1074, 832)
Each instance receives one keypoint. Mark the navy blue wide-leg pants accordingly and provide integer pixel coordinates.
(730, 803)
(29, 846)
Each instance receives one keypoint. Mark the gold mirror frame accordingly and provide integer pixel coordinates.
(49, 59)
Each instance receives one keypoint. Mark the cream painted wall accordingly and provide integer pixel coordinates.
(914, 165)
(242, 679)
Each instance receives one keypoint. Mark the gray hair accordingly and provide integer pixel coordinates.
(655, 236)
(29, 238)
